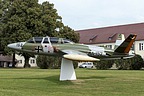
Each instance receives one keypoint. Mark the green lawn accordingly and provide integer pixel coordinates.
(38, 82)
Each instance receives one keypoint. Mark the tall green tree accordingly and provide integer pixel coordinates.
(23, 19)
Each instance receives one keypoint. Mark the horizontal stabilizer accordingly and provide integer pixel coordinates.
(76, 57)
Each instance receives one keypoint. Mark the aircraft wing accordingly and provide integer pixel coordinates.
(78, 56)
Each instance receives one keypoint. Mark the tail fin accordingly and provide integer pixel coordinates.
(126, 45)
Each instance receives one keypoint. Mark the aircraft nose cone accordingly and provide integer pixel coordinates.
(16, 46)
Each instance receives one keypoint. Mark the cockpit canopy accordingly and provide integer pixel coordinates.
(53, 40)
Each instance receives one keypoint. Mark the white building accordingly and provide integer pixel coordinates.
(107, 36)
(21, 61)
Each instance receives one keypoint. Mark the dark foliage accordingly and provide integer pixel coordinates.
(104, 64)
(48, 62)
(135, 63)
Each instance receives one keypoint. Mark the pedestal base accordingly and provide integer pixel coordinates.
(67, 70)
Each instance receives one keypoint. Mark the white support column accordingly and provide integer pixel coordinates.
(67, 70)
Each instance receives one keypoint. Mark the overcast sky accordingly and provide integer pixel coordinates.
(86, 14)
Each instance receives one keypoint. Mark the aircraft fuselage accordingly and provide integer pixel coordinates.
(55, 49)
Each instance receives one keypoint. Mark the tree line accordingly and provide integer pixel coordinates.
(135, 63)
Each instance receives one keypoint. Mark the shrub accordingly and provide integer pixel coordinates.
(104, 64)
(135, 63)
(45, 62)
(75, 64)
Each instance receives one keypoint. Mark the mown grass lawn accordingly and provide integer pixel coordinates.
(38, 82)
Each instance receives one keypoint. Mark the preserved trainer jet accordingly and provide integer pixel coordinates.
(71, 51)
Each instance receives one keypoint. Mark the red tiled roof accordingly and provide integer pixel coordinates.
(5, 58)
(109, 34)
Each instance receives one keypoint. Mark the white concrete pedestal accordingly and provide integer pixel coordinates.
(67, 70)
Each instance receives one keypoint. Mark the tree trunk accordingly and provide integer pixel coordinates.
(27, 65)
(13, 61)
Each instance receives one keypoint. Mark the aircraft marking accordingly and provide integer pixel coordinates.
(38, 49)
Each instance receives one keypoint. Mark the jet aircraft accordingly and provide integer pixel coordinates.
(71, 51)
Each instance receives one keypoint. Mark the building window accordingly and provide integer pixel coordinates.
(32, 61)
(20, 61)
(110, 38)
(109, 46)
(141, 46)
(93, 38)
